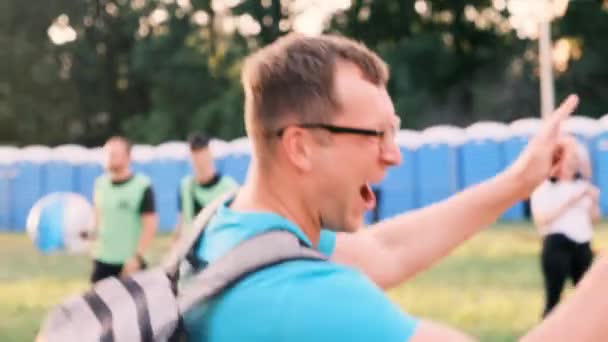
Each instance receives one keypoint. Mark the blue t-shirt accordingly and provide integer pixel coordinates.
(301, 300)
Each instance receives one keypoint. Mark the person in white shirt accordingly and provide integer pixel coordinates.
(564, 209)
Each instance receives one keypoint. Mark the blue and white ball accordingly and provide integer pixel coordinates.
(59, 222)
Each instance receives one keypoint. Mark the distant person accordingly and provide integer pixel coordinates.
(203, 186)
(126, 219)
(564, 209)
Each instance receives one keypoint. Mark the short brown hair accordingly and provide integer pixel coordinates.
(295, 75)
(124, 140)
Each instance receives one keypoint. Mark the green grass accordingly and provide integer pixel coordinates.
(490, 287)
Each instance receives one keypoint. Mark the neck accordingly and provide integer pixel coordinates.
(204, 176)
(120, 175)
(261, 194)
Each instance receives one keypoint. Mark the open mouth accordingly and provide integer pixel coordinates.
(368, 196)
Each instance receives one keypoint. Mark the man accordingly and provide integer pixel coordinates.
(203, 187)
(126, 220)
(322, 129)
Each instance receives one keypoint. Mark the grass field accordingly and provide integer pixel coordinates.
(490, 287)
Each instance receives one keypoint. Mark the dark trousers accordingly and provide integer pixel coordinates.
(102, 270)
(561, 259)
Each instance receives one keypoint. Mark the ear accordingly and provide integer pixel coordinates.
(297, 145)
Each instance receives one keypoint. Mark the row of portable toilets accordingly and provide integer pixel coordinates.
(437, 162)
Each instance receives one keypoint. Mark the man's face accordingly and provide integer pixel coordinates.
(117, 156)
(201, 159)
(345, 168)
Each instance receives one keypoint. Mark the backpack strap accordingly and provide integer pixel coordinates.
(180, 249)
(248, 257)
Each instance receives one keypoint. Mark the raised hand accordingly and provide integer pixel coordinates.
(542, 156)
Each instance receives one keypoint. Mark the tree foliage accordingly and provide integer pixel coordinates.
(157, 69)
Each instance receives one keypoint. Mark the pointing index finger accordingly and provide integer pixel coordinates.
(566, 107)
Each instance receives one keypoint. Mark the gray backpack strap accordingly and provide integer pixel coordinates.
(251, 255)
(174, 257)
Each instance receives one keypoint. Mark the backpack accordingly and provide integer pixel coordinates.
(148, 306)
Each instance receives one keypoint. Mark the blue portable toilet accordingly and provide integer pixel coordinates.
(599, 151)
(520, 132)
(236, 163)
(60, 173)
(482, 156)
(582, 127)
(8, 156)
(397, 191)
(437, 164)
(28, 183)
(87, 170)
(166, 170)
(141, 158)
(219, 150)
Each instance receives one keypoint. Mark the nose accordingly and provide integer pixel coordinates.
(391, 154)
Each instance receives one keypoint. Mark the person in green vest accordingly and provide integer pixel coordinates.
(203, 186)
(126, 219)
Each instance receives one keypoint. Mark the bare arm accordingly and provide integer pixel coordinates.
(394, 250)
(595, 211)
(581, 317)
(149, 225)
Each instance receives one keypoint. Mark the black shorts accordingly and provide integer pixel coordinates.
(102, 270)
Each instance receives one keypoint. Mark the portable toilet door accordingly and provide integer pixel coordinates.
(141, 157)
(238, 159)
(60, 173)
(397, 192)
(219, 150)
(28, 183)
(87, 171)
(8, 155)
(167, 170)
(437, 163)
(482, 155)
(487, 152)
(513, 148)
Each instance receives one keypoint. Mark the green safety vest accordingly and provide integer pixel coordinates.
(119, 222)
(191, 191)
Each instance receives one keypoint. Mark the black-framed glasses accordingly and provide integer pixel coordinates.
(338, 130)
(387, 137)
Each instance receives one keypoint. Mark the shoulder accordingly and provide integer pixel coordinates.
(318, 301)
(101, 180)
(186, 181)
(142, 180)
(343, 305)
(228, 181)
